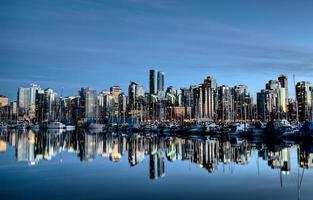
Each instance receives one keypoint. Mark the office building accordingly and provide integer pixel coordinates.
(304, 95)
(161, 76)
(153, 84)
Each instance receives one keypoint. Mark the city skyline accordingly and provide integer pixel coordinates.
(206, 101)
(156, 99)
(45, 42)
(12, 95)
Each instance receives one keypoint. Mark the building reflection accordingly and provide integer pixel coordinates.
(207, 153)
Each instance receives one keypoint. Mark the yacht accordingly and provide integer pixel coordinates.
(55, 125)
(70, 128)
(35, 127)
(307, 129)
(198, 128)
(277, 127)
(97, 126)
(3, 126)
(20, 125)
(211, 127)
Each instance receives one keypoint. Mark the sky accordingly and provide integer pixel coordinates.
(99, 43)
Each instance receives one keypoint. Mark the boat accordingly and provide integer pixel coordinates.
(35, 127)
(55, 125)
(277, 127)
(307, 129)
(70, 127)
(150, 127)
(21, 125)
(211, 127)
(3, 126)
(198, 128)
(97, 126)
(55, 131)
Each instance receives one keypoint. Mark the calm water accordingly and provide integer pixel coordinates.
(82, 165)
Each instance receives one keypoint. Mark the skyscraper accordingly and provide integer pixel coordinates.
(209, 102)
(89, 103)
(225, 109)
(26, 99)
(267, 104)
(106, 104)
(153, 81)
(197, 93)
(161, 76)
(47, 105)
(4, 100)
(52, 104)
(23, 102)
(242, 103)
(32, 109)
(304, 93)
(115, 91)
(283, 80)
(132, 94)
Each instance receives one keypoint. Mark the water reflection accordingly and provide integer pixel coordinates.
(207, 153)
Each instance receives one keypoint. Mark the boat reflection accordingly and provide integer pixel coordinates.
(207, 153)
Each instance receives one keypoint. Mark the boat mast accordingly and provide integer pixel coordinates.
(297, 110)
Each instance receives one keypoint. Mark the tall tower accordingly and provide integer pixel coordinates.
(283, 80)
(209, 102)
(23, 101)
(161, 76)
(153, 81)
(89, 101)
(304, 92)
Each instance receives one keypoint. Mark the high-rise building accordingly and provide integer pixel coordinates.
(272, 102)
(106, 104)
(197, 92)
(209, 96)
(132, 88)
(225, 110)
(283, 80)
(115, 91)
(26, 99)
(161, 76)
(204, 99)
(89, 103)
(4, 100)
(13, 110)
(122, 107)
(292, 109)
(52, 104)
(280, 87)
(137, 102)
(32, 107)
(153, 81)
(23, 102)
(67, 110)
(186, 97)
(187, 101)
(304, 93)
(171, 96)
(242, 103)
(4, 112)
(40, 106)
(267, 104)
(140, 91)
(47, 105)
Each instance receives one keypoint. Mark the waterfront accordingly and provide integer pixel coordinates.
(52, 165)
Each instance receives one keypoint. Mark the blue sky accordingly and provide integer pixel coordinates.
(93, 43)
